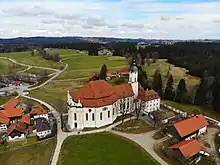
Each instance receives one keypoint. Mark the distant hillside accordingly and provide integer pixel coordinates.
(75, 39)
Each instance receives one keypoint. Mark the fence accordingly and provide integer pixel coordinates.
(184, 114)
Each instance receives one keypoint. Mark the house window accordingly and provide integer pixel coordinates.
(90, 110)
(113, 111)
(75, 116)
(87, 117)
(101, 116)
(93, 117)
(108, 114)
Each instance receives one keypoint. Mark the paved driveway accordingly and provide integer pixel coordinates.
(146, 141)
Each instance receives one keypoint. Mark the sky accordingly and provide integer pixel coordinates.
(151, 19)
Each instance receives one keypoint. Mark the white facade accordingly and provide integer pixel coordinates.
(43, 134)
(22, 136)
(80, 117)
(3, 127)
(151, 105)
(41, 116)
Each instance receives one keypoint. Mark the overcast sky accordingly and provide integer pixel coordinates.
(159, 19)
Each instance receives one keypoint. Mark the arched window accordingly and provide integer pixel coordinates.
(87, 117)
(75, 124)
(101, 116)
(93, 117)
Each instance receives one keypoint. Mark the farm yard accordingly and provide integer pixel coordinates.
(88, 149)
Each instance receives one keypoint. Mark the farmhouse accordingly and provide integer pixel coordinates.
(43, 128)
(39, 112)
(186, 151)
(98, 103)
(16, 131)
(188, 128)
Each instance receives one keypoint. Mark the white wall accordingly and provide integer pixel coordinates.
(151, 105)
(41, 116)
(77, 115)
(16, 137)
(43, 134)
(202, 130)
(3, 127)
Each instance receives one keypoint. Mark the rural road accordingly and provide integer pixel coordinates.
(56, 74)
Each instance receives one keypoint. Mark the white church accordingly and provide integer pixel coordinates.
(99, 103)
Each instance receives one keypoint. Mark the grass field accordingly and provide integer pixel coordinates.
(26, 58)
(38, 71)
(37, 154)
(102, 149)
(6, 66)
(56, 91)
(3, 100)
(193, 109)
(83, 66)
(177, 72)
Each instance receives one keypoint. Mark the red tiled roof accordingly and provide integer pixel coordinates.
(26, 119)
(40, 110)
(188, 148)
(108, 74)
(100, 93)
(13, 112)
(124, 73)
(147, 95)
(11, 103)
(124, 90)
(190, 125)
(3, 118)
(19, 126)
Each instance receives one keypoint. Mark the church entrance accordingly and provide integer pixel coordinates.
(75, 125)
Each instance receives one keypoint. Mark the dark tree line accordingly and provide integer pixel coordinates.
(47, 56)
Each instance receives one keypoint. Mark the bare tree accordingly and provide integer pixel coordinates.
(138, 108)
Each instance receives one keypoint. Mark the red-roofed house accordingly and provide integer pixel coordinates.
(186, 151)
(16, 131)
(98, 103)
(4, 121)
(39, 112)
(188, 128)
(26, 119)
(11, 103)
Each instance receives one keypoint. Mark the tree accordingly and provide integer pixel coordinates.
(169, 91)
(103, 72)
(142, 78)
(200, 98)
(181, 91)
(157, 84)
(32, 53)
(216, 93)
(155, 56)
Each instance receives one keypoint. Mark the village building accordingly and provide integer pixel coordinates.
(16, 131)
(186, 151)
(43, 128)
(4, 121)
(98, 103)
(26, 120)
(188, 128)
(39, 112)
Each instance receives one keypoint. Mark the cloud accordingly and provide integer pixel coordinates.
(118, 18)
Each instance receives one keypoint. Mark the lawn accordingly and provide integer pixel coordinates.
(6, 66)
(55, 92)
(177, 72)
(27, 58)
(37, 71)
(3, 100)
(12, 145)
(139, 126)
(103, 149)
(193, 109)
(84, 65)
(36, 154)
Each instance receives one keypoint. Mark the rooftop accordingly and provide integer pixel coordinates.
(190, 125)
(188, 148)
(11, 103)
